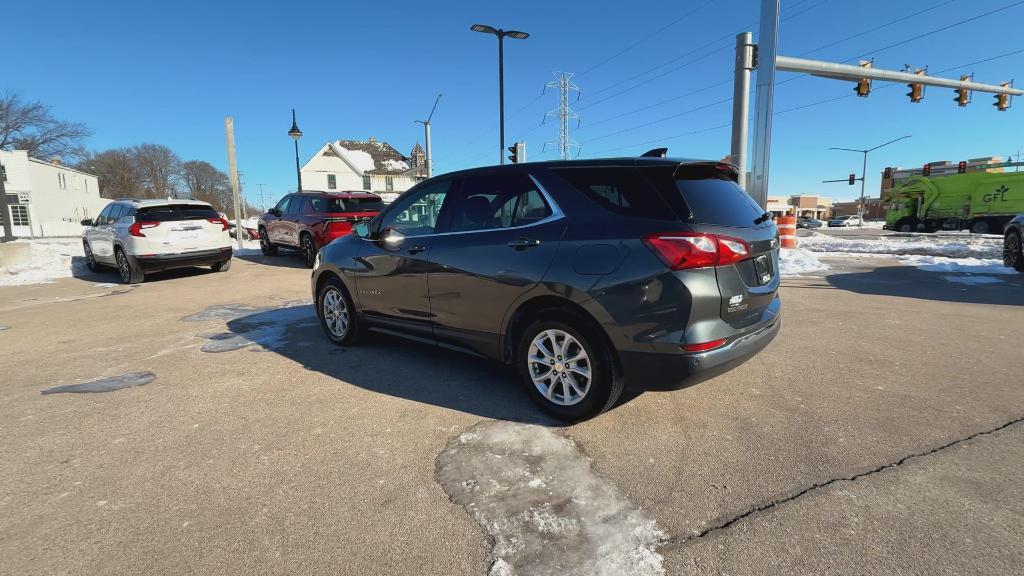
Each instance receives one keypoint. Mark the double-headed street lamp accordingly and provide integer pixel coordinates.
(501, 73)
(295, 133)
(864, 170)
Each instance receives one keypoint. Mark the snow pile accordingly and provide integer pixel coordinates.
(925, 245)
(50, 259)
(395, 165)
(250, 248)
(361, 160)
(796, 261)
(973, 280)
(570, 518)
(963, 265)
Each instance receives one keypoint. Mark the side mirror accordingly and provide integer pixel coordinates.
(361, 229)
(87, 222)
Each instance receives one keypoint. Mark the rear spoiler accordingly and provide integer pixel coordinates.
(702, 170)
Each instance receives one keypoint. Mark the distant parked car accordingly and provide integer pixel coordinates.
(139, 236)
(808, 223)
(843, 221)
(1013, 246)
(307, 221)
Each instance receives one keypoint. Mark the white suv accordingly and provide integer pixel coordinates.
(139, 236)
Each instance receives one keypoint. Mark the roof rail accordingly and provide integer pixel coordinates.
(655, 153)
(128, 198)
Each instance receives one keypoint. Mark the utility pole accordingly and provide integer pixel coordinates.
(229, 128)
(241, 193)
(564, 84)
(741, 103)
(263, 203)
(426, 135)
(5, 211)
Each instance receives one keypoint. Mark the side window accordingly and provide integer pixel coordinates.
(102, 218)
(117, 213)
(282, 206)
(417, 215)
(332, 182)
(295, 206)
(314, 205)
(620, 190)
(488, 202)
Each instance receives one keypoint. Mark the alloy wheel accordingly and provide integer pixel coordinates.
(335, 312)
(90, 259)
(123, 267)
(1011, 250)
(559, 367)
(264, 241)
(309, 249)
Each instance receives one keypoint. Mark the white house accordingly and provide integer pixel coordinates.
(353, 165)
(48, 198)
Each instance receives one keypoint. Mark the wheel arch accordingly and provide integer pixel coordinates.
(325, 276)
(550, 307)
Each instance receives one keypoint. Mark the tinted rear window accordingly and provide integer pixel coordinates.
(622, 190)
(174, 212)
(346, 204)
(706, 195)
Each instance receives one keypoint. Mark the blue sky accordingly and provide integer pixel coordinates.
(170, 72)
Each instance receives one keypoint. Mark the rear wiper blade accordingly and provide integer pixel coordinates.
(763, 218)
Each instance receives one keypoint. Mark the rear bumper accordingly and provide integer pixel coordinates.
(199, 258)
(674, 370)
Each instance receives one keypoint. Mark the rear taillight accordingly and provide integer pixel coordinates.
(220, 221)
(683, 250)
(137, 228)
(704, 346)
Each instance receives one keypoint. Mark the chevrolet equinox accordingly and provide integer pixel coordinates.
(583, 275)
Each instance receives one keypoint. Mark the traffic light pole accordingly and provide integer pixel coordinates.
(741, 104)
(757, 181)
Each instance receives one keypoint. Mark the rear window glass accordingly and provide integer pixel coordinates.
(621, 190)
(346, 205)
(174, 212)
(709, 195)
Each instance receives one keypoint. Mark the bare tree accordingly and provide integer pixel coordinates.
(159, 168)
(205, 182)
(115, 170)
(30, 126)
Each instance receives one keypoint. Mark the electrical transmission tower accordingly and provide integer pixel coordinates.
(563, 81)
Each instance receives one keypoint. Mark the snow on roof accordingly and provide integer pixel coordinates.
(373, 157)
(358, 158)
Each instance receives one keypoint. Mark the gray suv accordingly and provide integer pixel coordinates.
(584, 276)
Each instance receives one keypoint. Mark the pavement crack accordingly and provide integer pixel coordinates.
(722, 524)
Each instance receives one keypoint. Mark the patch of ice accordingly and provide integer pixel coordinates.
(796, 261)
(964, 265)
(919, 244)
(49, 260)
(973, 280)
(574, 522)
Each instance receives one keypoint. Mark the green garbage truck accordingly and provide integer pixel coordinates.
(982, 202)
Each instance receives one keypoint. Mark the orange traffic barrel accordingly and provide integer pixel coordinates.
(787, 230)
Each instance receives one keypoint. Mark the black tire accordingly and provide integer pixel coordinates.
(222, 266)
(904, 226)
(605, 383)
(90, 258)
(980, 227)
(128, 268)
(1013, 251)
(352, 333)
(309, 249)
(266, 246)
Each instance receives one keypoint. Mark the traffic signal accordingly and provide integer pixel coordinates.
(864, 84)
(887, 173)
(853, 178)
(961, 167)
(916, 90)
(514, 156)
(927, 171)
(1003, 100)
(963, 95)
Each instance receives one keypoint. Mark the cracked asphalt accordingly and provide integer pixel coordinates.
(880, 433)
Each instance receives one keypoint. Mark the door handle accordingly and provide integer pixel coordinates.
(523, 243)
(416, 249)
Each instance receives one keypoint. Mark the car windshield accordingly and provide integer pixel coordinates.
(174, 212)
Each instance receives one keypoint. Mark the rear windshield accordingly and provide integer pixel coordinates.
(174, 212)
(706, 195)
(618, 189)
(346, 204)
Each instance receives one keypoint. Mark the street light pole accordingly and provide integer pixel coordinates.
(501, 75)
(864, 172)
(295, 133)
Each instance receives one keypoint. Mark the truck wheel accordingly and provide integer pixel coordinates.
(980, 227)
(1013, 251)
(904, 226)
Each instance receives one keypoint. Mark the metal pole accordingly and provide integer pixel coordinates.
(229, 127)
(430, 168)
(5, 211)
(767, 44)
(863, 179)
(501, 94)
(741, 103)
(298, 172)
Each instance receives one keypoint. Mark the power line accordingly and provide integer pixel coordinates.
(677, 115)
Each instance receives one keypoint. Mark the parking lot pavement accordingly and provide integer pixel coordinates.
(881, 432)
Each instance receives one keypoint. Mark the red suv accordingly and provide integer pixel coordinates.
(308, 220)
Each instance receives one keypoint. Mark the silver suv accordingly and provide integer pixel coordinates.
(140, 236)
